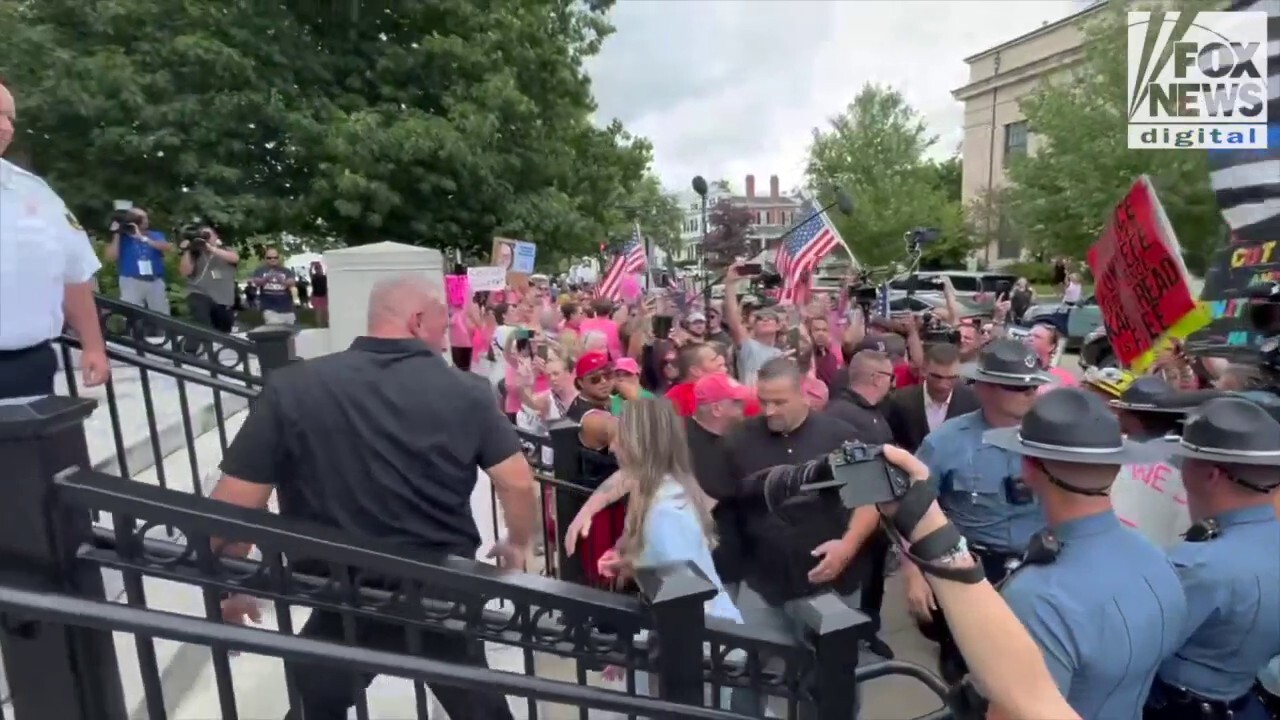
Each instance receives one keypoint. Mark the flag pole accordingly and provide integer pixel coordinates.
(648, 257)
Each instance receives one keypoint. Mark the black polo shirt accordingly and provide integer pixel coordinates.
(382, 440)
(778, 545)
(712, 471)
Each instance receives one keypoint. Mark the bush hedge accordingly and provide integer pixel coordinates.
(1039, 273)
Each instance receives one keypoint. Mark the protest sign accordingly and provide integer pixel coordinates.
(1140, 280)
(486, 279)
(516, 258)
(1149, 498)
(1233, 269)
(457, 290)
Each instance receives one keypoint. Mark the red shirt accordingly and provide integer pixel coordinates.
(681, 396)
(904, 375)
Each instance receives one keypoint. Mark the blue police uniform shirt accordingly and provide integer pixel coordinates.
(140, 260)
(1105, 614)
(969, 476)
(1232, 584)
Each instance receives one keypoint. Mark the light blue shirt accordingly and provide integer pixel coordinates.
(673, 534)
(1105, 614)
(1232, 585)
(969, 476)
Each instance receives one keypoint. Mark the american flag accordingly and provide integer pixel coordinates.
(630, 261)
(1245, 180)
(801, 251)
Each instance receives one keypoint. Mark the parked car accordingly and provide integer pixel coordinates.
(978, 289)
(1073, 322)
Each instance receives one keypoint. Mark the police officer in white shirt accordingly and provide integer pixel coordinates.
(46, 273)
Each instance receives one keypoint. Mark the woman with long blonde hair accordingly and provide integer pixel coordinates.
(668, 515)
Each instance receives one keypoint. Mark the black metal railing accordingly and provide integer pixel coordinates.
(62, 662)
(172, 382)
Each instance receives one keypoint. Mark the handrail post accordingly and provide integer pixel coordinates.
(834, 628)
(566, 462)
(54, 671)
(677, 595)
(274, 347)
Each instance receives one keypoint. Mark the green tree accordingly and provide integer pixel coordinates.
(1064, 193)
(657, 211)
(728, 236)
(876, 151)
(439, 124)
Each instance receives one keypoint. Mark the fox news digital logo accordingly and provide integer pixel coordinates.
(1197, 80)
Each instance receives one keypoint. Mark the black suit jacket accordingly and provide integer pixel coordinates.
(905, 412)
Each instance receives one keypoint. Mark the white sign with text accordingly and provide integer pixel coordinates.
(487, 279)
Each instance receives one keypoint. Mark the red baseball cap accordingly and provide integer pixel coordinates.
(589, 363)
(718, 388)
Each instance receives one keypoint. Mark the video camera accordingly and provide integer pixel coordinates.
(858, 473)
(196, 236)
(126, 221)
(916, 238)
(934, 330)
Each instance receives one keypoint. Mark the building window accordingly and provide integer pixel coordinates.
(1015, 141)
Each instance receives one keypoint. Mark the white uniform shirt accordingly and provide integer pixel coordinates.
(42, 250)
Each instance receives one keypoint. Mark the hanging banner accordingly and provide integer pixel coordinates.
(1140, 280)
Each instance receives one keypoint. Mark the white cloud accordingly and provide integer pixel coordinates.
(724, 88)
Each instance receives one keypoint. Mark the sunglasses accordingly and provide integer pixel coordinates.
(597, 378)
(273, 257)
(941, 378)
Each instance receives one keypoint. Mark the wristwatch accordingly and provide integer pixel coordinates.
(956, 554)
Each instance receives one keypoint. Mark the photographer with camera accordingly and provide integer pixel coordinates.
(1003, 657)
(138, 252)
(210, 269)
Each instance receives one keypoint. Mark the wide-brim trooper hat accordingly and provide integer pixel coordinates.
(1149, 394)
(1009, 363)
(1229, 430)
(1075, 426)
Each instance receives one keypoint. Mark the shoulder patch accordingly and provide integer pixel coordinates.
(73, 222)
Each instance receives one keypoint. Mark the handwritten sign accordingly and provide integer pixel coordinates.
(1141, 282)
(1232, 270)
(487, 279)
(457, 290)
(1149, 498)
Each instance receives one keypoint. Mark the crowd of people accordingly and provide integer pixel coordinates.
(761, 386)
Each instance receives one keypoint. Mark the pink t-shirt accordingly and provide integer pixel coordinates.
(511, 403)
(606, 327)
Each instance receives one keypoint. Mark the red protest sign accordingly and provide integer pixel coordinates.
(1139, 279)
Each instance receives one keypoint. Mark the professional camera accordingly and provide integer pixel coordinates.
(769, 278)
(126, 221)
(857, 472)
(916, 238)
(195, 236)
(934, 330)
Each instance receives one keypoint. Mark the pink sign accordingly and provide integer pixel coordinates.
(629, 288)
(457, 289)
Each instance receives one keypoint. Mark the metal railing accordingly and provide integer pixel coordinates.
(162, 364)
(52, 553)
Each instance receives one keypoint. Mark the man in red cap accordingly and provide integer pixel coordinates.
(696, 361)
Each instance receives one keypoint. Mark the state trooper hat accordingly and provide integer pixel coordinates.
(1149, 393)
(1009, 363)
(1229, 430)
(1074, 426)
